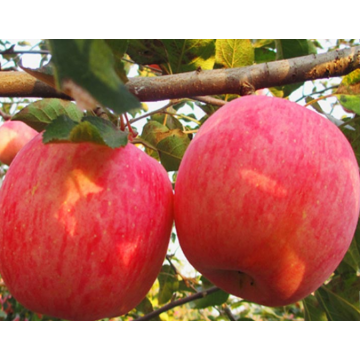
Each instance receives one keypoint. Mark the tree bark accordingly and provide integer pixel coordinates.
(208, 82)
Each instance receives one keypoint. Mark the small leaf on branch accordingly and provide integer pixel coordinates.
(348, 92)
(40, 113)
(232, 53)
(170, 144)
(90, 129)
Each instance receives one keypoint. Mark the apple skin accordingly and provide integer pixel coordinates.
(13, 136)
(84, 228)
(267, 200)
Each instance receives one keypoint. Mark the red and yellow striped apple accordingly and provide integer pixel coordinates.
(267, 199)
(13, 136)
(84, 228)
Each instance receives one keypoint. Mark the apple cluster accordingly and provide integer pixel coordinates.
(266, 204)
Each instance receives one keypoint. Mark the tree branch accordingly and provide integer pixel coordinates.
(238, 80)
(176, 303)
(209, 82)
(21, 84)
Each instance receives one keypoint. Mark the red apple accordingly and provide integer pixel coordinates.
(13, 136)
(267, 199)
(84, 228)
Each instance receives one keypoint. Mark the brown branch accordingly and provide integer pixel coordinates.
(240, 80)
(209, 82)
(21, 84)
(176, 303)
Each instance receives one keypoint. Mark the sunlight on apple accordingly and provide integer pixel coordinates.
(79, 185)
(263, 182)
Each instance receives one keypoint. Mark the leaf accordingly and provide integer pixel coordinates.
(175, 56)
(169, 283)
(350, 102)
(171, 144)
(350, 84)
(118, 48)
(172, 149)
(348, 92)
(312, 309)
(214, 299)
(89, 64)
(232, 53)
(336, 307)
(90, 129)
(347, 286)
(145, 306)
(40, 113)
(147, 52)
(290, 48)
(190, 54)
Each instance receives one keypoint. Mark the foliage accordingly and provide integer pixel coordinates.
(95, 72)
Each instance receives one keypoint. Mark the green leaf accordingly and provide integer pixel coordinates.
(347, 286)
(147, 52)
(90, 129)
(348, 92)
(336, 307)
(312, 309)
(350, 102)
(40, 113)
(145, 306)
(174, 55)
(290, 48)
(190, 54)
(118, 48)
(172, 149)
(350, 84)
(214, 299)
(169, 283)
(89, 64)
(232, 53)
(171, 144)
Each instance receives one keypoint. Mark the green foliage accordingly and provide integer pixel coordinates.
(176, 56)
(170, 144)
(89, 129)
(90, 65)
(348, 92)
(42, 112)
(232, 53)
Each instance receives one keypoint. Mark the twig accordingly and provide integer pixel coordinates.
(4, 115)
(209, 100)
(160, 110)
(176, 303)
(228, 312)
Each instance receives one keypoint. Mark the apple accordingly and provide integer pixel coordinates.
(84, 228)
(267, 200)
(13, 136)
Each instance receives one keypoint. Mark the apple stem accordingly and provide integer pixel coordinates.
(121, 123)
